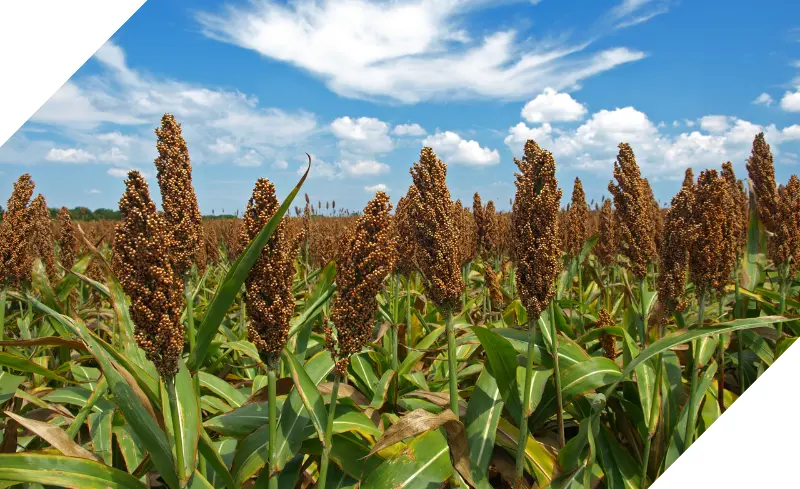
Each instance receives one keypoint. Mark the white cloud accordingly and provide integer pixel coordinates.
(689, 123)
(790, 102)
(519, 134)
(250, 158)
(409, 130)
(280, 165)
(114, 155)
(120, 172)
(409, 50)
(364, 168)
(94, 191)
(365, 135)
(551, 106)
(222, 147)
(763, 99)
(116, 138)
(379, 187)
(453, 149)
(69, 155)
(715, 124)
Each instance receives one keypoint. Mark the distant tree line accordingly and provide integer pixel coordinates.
(103, 214)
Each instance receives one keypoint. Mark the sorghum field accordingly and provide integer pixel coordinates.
(421, 344)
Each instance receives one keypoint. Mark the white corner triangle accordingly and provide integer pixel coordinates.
(43, 43)
(753, 443)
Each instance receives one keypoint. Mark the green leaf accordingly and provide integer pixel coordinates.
(8, 385)
(240, 422)
(424, 463)
(379, 396)
(539, 378)
(61, 471)
(222, 389)
(483, 413)
(22, 364)
(229, 287)
(189, 418)
(502, 364)
(212, 456)
(414, 356)
(307, 389)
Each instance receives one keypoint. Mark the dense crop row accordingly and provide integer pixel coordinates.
(422, 345)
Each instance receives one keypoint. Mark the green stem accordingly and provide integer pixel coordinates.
(2, 312)
(84, 412)
(690, 417)
(737, 313)
(395, 380)
(642, 313)
(326, 450)
(653, 415)
(784, 283)
(408, 310)
(721, 361)
(557, 377)
(177, 433)
(523, 421)
(272, 399)
(189, 314)
(580, 295)
(451, 362)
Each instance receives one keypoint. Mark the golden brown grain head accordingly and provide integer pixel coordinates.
(606, 247)
(761, 169)
(493, 286)
(534, 228)
(466, 233)
(713, 253)
(66, 239)
(740, 201)
(688, 178)
(269, 298)
(366, 260)
(142, 263)
(674, 251)
(634, 204)
(434, 232)
(181, 213)
(577, 220)
(607, 341)
(42, 239)
(403, 232)
(784, 242)
(16, 250)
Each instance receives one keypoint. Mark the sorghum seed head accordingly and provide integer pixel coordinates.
(784, 242)
(634, 204)
(16, 251)
(606, 247)
(403, 232)
(534, 228)
(142, 262)
(740, 201)
(577, 220)
(42, 234)
(66, 239)
(466, 233)
(434, 233)
(269, 298)
(184, 223)
(688, 178)
(679, 231)
(365, 262)
(761, 169)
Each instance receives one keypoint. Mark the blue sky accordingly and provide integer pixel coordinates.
(363, 85)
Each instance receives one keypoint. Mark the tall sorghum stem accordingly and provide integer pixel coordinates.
(580, 294)
(737, 313)
(272, 399)
(653, 415)
(784, 283)
(557, 376)
(409, 337)
(451, 362)
(523, 421)
(2, 312)
(642, 313)
(326, 450)
(177, 434)
(189, 314)
(87, 408)
(690, 417)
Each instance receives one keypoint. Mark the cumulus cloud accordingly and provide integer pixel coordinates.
(280, 165)
(250, 158)
(763, 99)
(715, 124)
(790, 102)
(69, 155)
(364, 135)
(409, 50)
(363, 168)
(409, 130)
(222, 147)
(378, 187)
(121, 172)
(551, 106)
(94, 191)
(453, 149)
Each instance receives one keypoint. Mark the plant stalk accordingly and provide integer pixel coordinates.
(642, 313)
(784, 284)
(189, 314)
(523, 422)
(451, 362)
(272, 396)
(2, 312)
(557, 377)
(737, 313)
(84, 412)
(580, 294)
(177, 433)
(655, 406)
(326, 450)
(690, 417)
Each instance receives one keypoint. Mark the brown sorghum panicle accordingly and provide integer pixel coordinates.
(713, 252)
(184, 223)
(403, 232)
(655, 218)
(493, 286)
(674, 252)
(740, 201)
(364, 264)
(688, 178)
(477, 214)
(16, 254)
(269, 298)
(761, 169)
(634, 205)
(66, 239)
(607, 341)
(466, 233)
(42, 234)
(141, 261)
(606, 247)
(784, 242)
(491, 240)
(577, 220)
(534, 228)
(434, 233)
